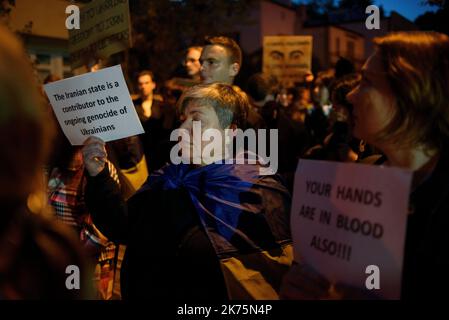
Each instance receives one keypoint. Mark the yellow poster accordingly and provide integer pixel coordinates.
(287, 58)
(104, 30)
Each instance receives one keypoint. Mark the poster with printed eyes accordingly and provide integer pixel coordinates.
(288, 58)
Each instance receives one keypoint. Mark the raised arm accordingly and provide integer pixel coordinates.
(103, 197)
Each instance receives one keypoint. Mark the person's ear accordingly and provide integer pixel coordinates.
(234, 69)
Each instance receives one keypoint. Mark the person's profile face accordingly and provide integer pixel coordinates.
(216, 65)
(373, 101)
(192, 62)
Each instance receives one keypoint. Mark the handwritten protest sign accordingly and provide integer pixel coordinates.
(104, 30)
(346, 217)
(288, 58)
(94, 104)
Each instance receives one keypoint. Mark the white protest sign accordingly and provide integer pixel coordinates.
(346, 217)
(94, 104)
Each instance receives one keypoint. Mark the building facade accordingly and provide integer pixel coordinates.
(41, 25)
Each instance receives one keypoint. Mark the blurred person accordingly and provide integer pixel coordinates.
(401, 107)
(158, 116)
(35, 251)
(292, 136)
(321, 89)
(302, 99)
(343, 67)
(286, 97)
(66, 191)
(144, 103)
(192, 62)
(298, 114)
(190, 75)
(308, 79)
(191, 229)
(340, 145)
(259, 90)
(94, 65)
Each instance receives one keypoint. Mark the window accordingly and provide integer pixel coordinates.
(43, 58)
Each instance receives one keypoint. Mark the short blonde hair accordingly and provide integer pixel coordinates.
(417, 68)
(24, 123)
(230, 103)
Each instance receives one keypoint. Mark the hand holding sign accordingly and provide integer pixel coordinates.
(94, 155)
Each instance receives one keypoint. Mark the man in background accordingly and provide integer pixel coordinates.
(221, 61)
(192, 62)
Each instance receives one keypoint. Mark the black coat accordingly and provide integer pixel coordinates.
(426, 259)
(153, 224)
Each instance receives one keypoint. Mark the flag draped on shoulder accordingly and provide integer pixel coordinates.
(246, 217)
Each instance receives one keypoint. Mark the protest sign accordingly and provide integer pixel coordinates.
(346, 217)
(104, 30)
(288, 58)
(94, 104)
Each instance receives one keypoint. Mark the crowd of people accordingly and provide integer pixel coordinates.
(216, 231)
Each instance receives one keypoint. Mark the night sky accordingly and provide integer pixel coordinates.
(408, 8)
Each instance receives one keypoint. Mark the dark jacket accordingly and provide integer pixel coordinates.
(180, 224)
(426, 258)
(152, 225)
(34, 255)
